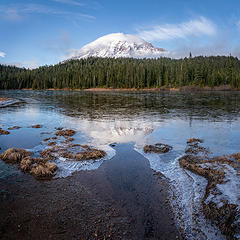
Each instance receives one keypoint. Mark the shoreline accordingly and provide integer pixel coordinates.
(4, 99)
(116, 201)
(4, 102)
(179, 89)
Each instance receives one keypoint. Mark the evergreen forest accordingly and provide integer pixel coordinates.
(126, 73)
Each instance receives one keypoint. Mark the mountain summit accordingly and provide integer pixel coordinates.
(117, 45)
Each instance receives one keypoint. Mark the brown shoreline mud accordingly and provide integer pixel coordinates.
(154, 89)
(122, 199)
(2, 99)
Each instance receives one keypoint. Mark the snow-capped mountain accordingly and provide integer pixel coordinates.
(117, 45)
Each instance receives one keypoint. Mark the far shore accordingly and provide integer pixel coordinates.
(110, 89)
(4, 99)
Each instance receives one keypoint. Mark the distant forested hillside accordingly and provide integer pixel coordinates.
(126, 73)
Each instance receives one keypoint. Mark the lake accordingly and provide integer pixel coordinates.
(122, 123)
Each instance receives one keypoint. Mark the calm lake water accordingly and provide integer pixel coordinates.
(137, 118)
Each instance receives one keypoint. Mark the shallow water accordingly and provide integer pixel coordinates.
(102, 118)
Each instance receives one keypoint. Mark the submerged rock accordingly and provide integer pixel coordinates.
(157, 148)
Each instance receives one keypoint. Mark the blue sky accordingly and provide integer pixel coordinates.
(39, 32)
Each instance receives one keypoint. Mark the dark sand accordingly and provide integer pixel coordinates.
(123, 199)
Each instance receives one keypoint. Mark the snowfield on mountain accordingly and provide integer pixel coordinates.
(117, 45)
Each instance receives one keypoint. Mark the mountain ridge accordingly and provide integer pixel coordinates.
(117, 45)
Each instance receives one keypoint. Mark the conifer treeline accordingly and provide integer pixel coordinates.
(126, 73)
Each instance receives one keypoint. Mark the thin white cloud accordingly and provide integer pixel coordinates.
(2, 54)
(198, 27)
(12, 15)
(71, 2)
(17, 12)
(41, 9)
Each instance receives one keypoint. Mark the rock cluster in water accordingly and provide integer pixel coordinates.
(4, 132)
(157, 148)
(40, 167)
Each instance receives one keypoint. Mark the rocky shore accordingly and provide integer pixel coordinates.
(221, 201)
(122, 199)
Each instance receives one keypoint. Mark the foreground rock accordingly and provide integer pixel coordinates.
(13, 155)
(75, 152)
(157, 148)
(219, 204)
(90, 154)
(4, 132)
(193, 147)
(38, 167)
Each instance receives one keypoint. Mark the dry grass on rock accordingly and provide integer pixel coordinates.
(87, 154)
(65, 133)
(38, 167)
(194, 140)
(4, 132)
(157, 148)
(43, 170)
(214, 170)
(14, 128)
(13, 155)
(37, 126)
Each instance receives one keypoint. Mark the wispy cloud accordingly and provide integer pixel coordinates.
(12, 15)
(17, 12)
(197, 27)
(71, 2)
(41, 9)
(2, 54)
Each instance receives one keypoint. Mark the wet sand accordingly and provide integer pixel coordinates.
(123, 199)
